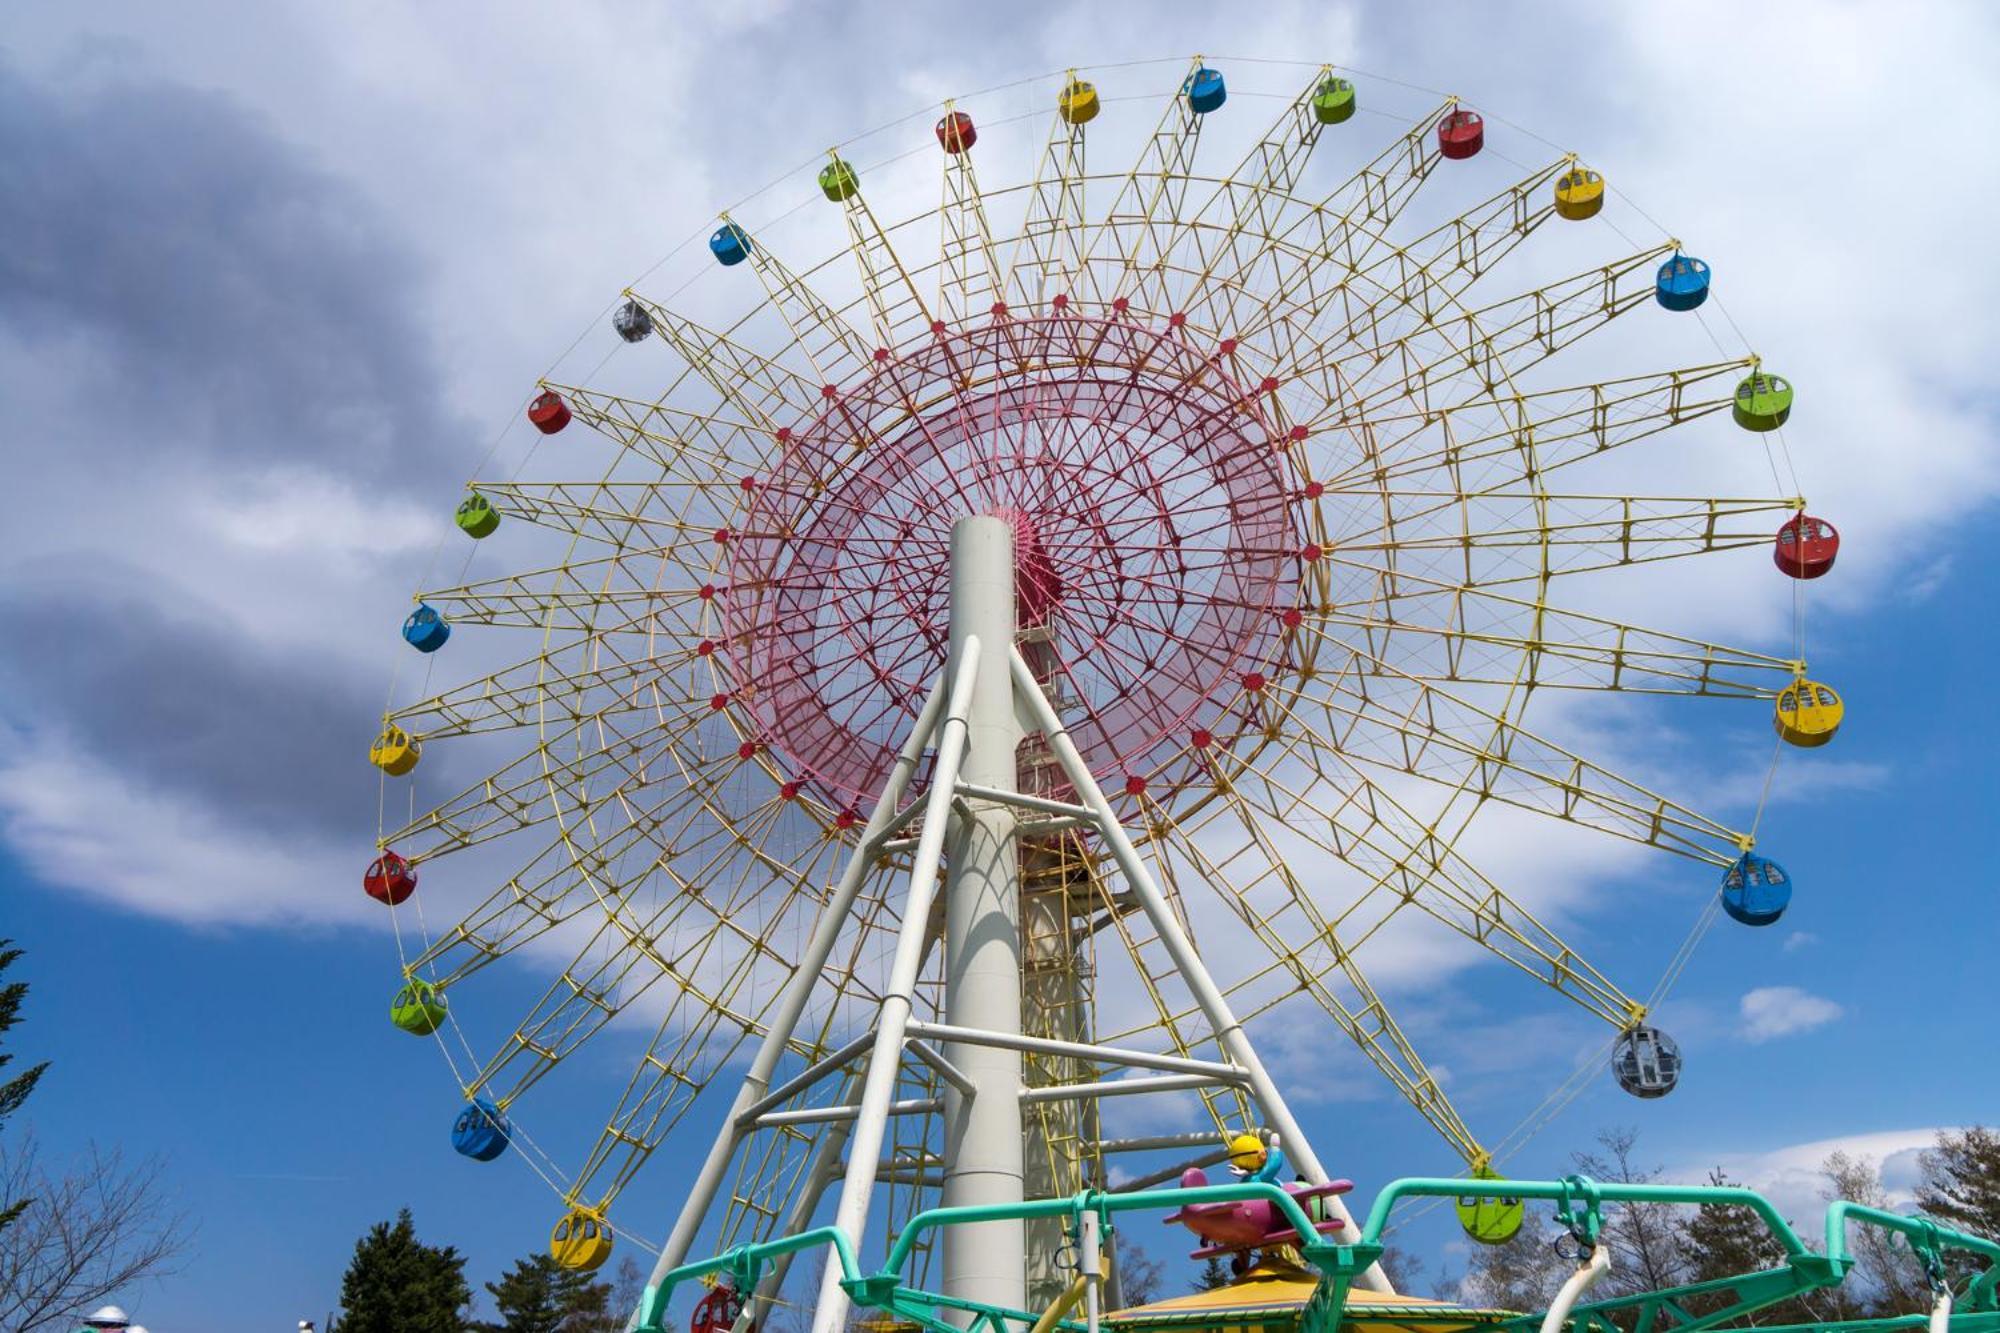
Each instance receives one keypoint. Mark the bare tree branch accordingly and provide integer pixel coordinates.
(87, 1233)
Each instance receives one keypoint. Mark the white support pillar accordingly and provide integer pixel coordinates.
(985, 1262)
(1229, 1034)
(792, 1002)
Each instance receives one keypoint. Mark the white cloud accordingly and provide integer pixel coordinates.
(1800, 939)
(1770, 1012)
(1927, 579)
(1790, 1175)
(306, 512)
(84, 827)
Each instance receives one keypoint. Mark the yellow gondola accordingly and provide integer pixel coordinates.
(1579, 194)
(1808, 713)
(395, 751)
(1078, 104)
(581, 1241)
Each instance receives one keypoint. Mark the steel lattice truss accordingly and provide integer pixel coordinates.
(1289, 539)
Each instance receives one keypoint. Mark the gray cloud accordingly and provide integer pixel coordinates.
(193, 305)
(182, 701)
(227, 296)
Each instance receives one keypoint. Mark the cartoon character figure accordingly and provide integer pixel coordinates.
(1251, 1159)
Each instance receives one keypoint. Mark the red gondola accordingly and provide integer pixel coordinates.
(549, 412)
(717, 1312)
(955, 133)
(390, 879)
(1461, 134)
(1806, 546)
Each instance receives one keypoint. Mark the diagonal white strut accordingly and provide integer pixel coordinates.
(898, 998)
(792, 1002)
(1229, 1034)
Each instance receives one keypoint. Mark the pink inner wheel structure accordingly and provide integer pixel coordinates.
(1156, 544)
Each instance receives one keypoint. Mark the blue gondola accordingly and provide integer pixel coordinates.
(1682, 283)
(481, 1131)
(1756, 890)
(730, 244)
(425, 630)
(1205, 90)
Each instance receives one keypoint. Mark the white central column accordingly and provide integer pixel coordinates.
(982, 1165)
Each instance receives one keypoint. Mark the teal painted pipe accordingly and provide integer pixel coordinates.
(1579, 1189)
(654, 1304)
(1916, 1228)
(1574, 1190)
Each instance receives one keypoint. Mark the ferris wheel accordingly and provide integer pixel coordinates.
(1259, 484)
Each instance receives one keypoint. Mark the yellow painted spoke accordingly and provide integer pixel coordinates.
(548, 689)
(1139, 230)
(1048, 256)
(1380, 716)
(1489, 345)
(969, 278)
(895, 311)
(1328, 243)
(691, 448)
(1233, 853)
(836, 351)
(1243, 215)
(1508, 439)
(1428, 629)
(1491, 539)
(617, 593)
(756, 389)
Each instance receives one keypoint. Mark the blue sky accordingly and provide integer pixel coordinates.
(278, 281)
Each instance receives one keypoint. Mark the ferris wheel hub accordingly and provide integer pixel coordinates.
(1158, 540)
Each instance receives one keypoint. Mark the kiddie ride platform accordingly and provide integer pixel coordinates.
(1317, 1295)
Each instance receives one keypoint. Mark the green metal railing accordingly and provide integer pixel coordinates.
(886, 1289)
(745, 1265)
(1578, 1204)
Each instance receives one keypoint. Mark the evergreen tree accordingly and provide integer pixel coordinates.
(1961, 1180)
(1212, 1275)
(398, 1284)
(15, 1090)
(1720, 1241)
(539, 1295)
